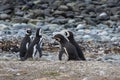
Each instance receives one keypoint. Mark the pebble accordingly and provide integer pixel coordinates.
(103, 16)
(4, 16)
(81, 26)
(3, 26)
(103, 33)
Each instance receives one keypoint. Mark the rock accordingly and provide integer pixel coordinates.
(103, 16)
(70, 14)
(21, 33)
(81, 32)
(113, 3)
(20, 20)
(59, 21)
(69, 25)
(103, 33)
(105, 38)
(28, 5)
(114, 39)
(6, 8)
(59, 13)
(81, 26)
(118, 29)
(94, 31)
(63, 8)
(3, 26)
(19, 13)
(4, 16)
(87, 37)
(102, 26)
(18, 26)
(51, 27)
(78, 37)
(30, 15)
(56, 4)
(90, 21)
(71, 21)
(89, 8)
(43, 6)
(88, 1)
(112, 57)
(35, 14)
(45, 27)
(9, 57)
(92, 15)
(71, 5)
(114, 18)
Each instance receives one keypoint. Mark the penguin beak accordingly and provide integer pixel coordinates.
(57, 39)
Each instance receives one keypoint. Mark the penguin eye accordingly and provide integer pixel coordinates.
(67, 34)
(58, 39)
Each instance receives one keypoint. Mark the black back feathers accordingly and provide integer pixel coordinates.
(70, 37)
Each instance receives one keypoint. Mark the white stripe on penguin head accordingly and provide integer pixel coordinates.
(40, 32)
(66, 51)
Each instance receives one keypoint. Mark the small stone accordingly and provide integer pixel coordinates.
(4, 16)
(18, 74)
(103, 16)
(105, 38)
(19, 13)
(51, 27)
(63, 8)
(3, 26)
(20, 20)
(114, 39)
(71, 21)
(81, 26)
(59, 21)
(102, 26)
(103, 33)
(86, 37)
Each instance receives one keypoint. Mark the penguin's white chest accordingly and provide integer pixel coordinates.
(35, 53)
(65, 55)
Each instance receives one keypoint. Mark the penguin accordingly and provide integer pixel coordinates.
(35, 50)
(68, 48)
(62, 54)
(24, 44)
(71, 39)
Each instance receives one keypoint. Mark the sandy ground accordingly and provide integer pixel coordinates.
(58, 70)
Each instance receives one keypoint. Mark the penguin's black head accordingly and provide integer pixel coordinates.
(60, 38)
(39, 32)
(68, 34)
(29, 32)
